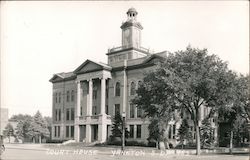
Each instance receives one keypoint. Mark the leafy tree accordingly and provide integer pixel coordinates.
(8, 131)
(23, 125)
(186, 80)
(207, 133)
(117, 127)
(155, 97)
(184, 133)
(236, 113)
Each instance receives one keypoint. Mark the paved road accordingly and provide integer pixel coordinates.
(29, 152)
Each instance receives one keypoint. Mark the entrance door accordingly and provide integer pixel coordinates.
(95, 133)
(82, 133)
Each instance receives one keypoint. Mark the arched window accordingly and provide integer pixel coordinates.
(132, 88)
(117, 89)
(139, 83)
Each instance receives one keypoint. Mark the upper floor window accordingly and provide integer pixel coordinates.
(67, 96)
(59, 116)
(59, 97)
(132, 88)
(140, 83)
(72, 95)
(94, 111)
(56, 115)
(94, 94)
(67, 114)
(72, 114)
(132, 111)
(139, 112)
(117, 108)
(56, 97)
(117, 89)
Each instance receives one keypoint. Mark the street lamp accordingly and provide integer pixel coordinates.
(123, 130)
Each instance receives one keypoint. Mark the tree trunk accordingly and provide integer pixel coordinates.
(198, 141)
(34, 140)
(231, 142)
(40, 139)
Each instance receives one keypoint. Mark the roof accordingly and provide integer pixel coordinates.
(93, 66)
(132, 9)
(62, 76)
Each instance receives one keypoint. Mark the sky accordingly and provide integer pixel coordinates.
(40, 38)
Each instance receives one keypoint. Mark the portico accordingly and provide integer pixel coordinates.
(91, 120)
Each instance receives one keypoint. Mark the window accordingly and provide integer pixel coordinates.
(67, 114)
(132, 111)
(132, 88)
(72, 131)
(117, 108)
(67, 96)
(67, 131)
(139, 83)
(81, 111)
(72, 114)
(139, 112)
(138, 131)
(72, 96)
(117, 89)
(56, 115)
(58, 131)
(107, 109)
(59, 117)
(56, 98)
(55, 128)
(169, 132)
(59, 98)
(131, 131)
(94, 94)
(94, 111)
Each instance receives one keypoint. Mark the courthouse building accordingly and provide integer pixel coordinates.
(86, 99)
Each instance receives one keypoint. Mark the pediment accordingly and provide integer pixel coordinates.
(90, 66)
(56, 78)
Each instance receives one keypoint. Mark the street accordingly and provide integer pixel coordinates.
(37, 152)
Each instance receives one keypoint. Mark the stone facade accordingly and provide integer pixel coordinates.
(85, 100)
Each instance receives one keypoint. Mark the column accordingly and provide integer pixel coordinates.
(89, 106)
(77, 133)
(102, 132)
(88, 133)
(103, 95)
(78, 104)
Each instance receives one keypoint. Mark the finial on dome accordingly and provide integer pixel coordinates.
(132, 13)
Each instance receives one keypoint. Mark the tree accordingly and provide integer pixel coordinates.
(8, 131)
(236, 113)
(40, 126)
(207, 133)
(117, 127)
(184, 133)
(186, 80)
(23, 125)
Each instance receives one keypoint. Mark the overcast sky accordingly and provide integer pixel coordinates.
(39, 39)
